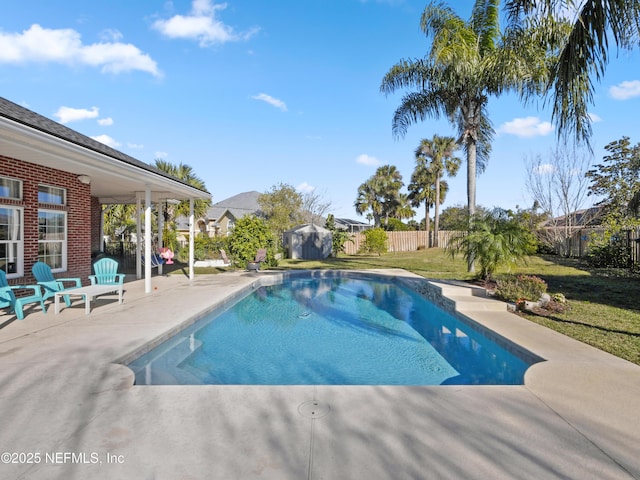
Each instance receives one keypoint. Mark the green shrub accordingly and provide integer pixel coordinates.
(338, 236)
(609, 254)
(250, 234)
(375, 241)
(395, 225)
(494, 239)
(512, 288)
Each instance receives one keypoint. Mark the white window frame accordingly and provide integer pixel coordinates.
(63, 253)
(19, 260)
(19, 182)
(63, 194)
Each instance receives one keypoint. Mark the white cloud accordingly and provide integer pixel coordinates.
(367, 160)
(161, 155)
(105, 122)
(107, 140)
(544, 169)
(68, 114)
(202, 25)
(595, 118)
(526, 127)
(137, 146)
(271, 101)
(304, 187)
(625, 90)
(65, 46)
(110, 35)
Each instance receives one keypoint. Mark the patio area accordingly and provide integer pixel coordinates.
(64, 397)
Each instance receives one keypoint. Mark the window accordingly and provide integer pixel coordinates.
(53, 195)
(52, 239)
(11, 243)
(10, 188)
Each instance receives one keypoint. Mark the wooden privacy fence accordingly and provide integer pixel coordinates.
(401, 241)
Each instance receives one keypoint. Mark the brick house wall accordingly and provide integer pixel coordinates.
(96, 221)
(80, 217)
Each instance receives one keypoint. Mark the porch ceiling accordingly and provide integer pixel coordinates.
(114, 176)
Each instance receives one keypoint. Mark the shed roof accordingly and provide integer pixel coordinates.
(308, 228)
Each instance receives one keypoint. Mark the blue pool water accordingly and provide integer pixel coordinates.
(336, 331)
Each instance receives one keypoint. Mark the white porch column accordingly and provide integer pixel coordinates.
(138, 237)
(160, 230)
(101, 229)
(192, 231)
(147, 239)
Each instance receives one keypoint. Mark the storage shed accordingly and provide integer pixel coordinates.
(309, 242)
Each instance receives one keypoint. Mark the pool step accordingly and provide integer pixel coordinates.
(468, 297)
(466, 303)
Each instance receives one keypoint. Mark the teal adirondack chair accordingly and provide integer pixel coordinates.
(50, 285)
(106, 273)
(9, 299)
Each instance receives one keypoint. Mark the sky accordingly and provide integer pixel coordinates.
(252, 94)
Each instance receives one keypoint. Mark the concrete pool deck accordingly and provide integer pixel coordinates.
(67, 411)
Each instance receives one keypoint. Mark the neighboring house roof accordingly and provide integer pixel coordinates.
(348, 224)
(586, 217)
(238, 206)
(115, 176)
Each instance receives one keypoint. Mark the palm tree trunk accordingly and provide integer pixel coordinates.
(426, 222)
(436, 220)
(471, 190)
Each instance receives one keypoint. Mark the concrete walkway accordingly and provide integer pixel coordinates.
(67, 411)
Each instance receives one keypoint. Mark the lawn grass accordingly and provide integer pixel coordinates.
(604, 305)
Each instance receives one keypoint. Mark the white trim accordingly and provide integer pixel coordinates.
(64, 241)
(19, 261)
(191, 240)
(148, 237)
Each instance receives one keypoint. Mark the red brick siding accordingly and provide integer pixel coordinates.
(96, 219)
(78, 208)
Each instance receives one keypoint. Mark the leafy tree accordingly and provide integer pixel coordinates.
(456, 218)
(375, 241)
(249, 234)
(558, 186)
(396, 225)
(494, 239)
(314, 207)
(338, 236)
(584, 52)
(617, 181)
(437, 156)
(282, 209)
(380, 194)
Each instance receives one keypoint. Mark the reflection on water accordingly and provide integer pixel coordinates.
(342, 331)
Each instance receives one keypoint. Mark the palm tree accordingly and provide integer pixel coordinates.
(583, 52)
(368, 200)
(496, 239)
(468, 62)
(186, 174)
(380, 194)
(439, 151)
(421, 191)
(404, 209)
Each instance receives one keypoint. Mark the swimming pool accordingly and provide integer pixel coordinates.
(344, 330)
